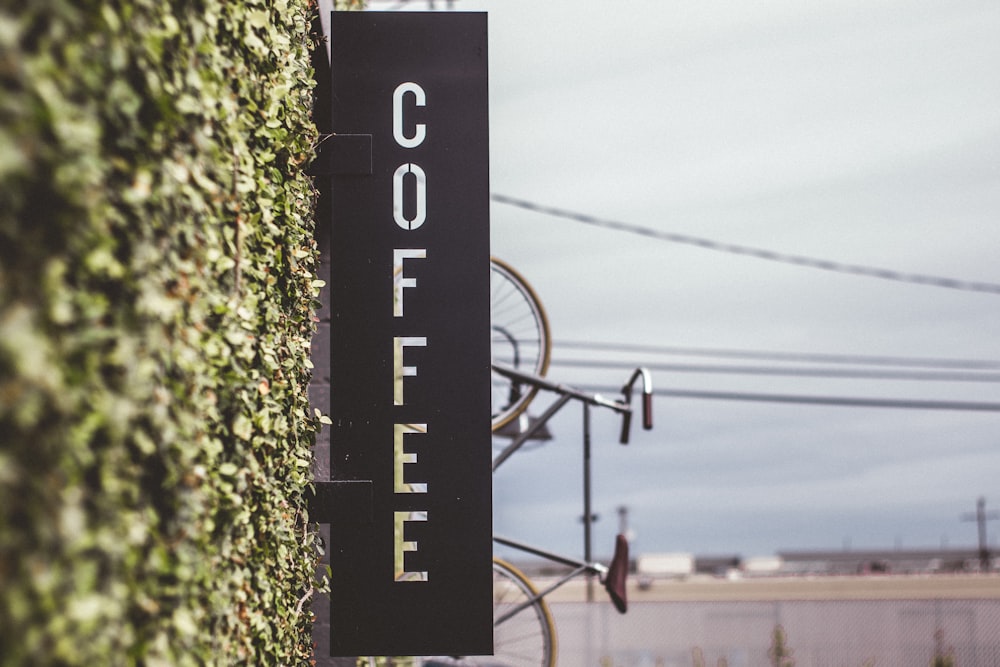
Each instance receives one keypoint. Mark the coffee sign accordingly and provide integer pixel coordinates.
(410, 336)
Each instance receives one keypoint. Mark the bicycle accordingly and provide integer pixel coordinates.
(524, 631)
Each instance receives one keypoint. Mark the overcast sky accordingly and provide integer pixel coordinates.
(860, 132)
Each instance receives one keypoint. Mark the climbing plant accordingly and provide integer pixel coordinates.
(157, 287)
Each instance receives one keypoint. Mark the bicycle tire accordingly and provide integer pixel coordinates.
(520, 340)
(527, 639)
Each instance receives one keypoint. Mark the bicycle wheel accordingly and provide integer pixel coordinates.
(526, 639)
(520, 339)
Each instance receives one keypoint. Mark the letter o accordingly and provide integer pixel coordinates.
(397, 115)
(397, 196)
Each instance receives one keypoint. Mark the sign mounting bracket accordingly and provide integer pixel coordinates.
(343, 155)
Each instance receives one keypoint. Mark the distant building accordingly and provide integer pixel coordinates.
(651, 566)
(895, 561)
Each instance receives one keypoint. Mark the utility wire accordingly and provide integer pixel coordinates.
(725, 353)
(864, 374)
(749, 251)
(839, 401)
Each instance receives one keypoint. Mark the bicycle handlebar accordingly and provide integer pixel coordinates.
(624, 406)
(647, 403)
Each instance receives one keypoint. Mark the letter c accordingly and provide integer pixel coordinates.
(397, 115)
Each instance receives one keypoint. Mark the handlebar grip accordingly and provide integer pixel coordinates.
(647, 411)
(626, 427)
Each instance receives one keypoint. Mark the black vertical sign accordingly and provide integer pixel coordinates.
(410, 366)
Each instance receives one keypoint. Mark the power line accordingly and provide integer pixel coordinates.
(749, 251)
(768, 355)
(838, 401)
(864, 374)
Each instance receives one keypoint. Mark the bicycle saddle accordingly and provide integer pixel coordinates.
(614, 581)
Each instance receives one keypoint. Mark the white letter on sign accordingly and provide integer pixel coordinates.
(399, 343)
(401, 457)
(399, 281)
(402, 545)
(397, 115)
(397, 196)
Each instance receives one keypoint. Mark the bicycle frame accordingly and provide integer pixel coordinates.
(579, 567)
(615, 584)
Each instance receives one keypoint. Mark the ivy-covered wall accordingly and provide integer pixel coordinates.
(157, 288)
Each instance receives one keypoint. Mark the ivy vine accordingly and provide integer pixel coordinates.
(157, 290)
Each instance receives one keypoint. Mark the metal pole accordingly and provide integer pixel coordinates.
(984, 552)
(981, 517)
(587, 515)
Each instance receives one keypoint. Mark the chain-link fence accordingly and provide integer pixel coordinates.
(857, 633)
